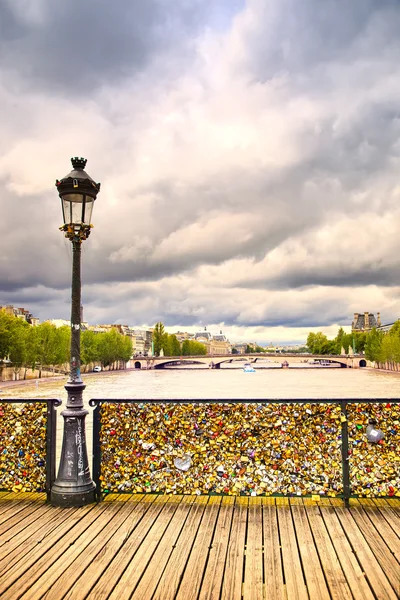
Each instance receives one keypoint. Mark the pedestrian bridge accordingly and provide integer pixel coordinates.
(259, 360)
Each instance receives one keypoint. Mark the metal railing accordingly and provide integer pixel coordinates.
(28, 444)
(289, 446)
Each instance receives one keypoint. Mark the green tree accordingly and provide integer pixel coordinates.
(175, 346)
(339, 340)
(318, 343)
(18, 344)
(89, 347)
(158, 334)
(47, 351)
(373, 345)
(5, 334)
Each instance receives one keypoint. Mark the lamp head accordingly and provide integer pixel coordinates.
(77, 191)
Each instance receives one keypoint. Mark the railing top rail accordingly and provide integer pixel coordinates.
(55, 401)
(98, 401)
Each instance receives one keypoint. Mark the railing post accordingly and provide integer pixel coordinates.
(51, 432)
(345, 454)
(96, 464)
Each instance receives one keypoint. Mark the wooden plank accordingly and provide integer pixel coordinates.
(134, 511)
(109, 578)
(294, 579)
(40, 584)
(233, 577)
(214, 573)
(12, 508)
(44, 553)
(373, 571)
(332, 570)
(94, 556)
(355, 577)
(172, 574)
(21, 521)
(184, 524)
(391, 537)
(193, 575)
(379, 547)
(391, 515)
(140, 561)
(274, 582)
(18, 547)
(253, 566)
(313, 572)
(7, 506)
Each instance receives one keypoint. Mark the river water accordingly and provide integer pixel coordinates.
(267, 383)
(225, 383)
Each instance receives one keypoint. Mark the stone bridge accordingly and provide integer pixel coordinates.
(261, 360)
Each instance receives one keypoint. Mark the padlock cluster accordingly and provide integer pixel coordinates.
(23, 447)
(234, 448)
(374, 467)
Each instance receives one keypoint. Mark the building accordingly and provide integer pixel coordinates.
(387, 327)
(215, 344)
(365, 322)
(20, 313)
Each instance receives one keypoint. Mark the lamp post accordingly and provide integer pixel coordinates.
(74, 486)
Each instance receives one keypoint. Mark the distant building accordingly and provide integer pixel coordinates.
(215, 344)
(240, 348)
(20, 313)
(365, 322)
(387, 327)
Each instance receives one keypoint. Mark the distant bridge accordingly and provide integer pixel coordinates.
(270, 360)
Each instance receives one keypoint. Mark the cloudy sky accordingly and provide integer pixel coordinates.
(248, 151)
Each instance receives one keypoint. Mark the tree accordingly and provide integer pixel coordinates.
(158, 333)
(339, 340)
(192, 348)
(18, 344)
(175, 346)
(318, 343)
(185, 348)
(373, 345)
(89, 347)
(47, 351)
(5, 334)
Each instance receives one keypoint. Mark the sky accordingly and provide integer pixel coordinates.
(248, 153)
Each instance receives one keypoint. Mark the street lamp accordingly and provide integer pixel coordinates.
(74, 486)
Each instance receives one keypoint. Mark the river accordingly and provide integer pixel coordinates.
(222, 383)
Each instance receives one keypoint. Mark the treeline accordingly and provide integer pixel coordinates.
(171, 346)
(382, 348)
(46, 347)
(318, 343)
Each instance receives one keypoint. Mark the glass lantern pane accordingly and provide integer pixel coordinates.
(88, 210)
(73, 206)
(66, 208)
(76, 209)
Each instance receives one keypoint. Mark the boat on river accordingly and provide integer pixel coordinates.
(248, 368)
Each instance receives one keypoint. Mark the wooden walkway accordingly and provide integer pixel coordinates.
(198, 547)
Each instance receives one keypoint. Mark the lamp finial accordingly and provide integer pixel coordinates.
(78, 163)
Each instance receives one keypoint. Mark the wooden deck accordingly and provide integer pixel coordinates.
(198, 547)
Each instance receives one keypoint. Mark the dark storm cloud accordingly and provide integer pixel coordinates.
(294, 37)
(76, 45)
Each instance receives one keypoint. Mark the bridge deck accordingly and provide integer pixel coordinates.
(164, 547)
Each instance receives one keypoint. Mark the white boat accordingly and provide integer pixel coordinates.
(248, 368)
